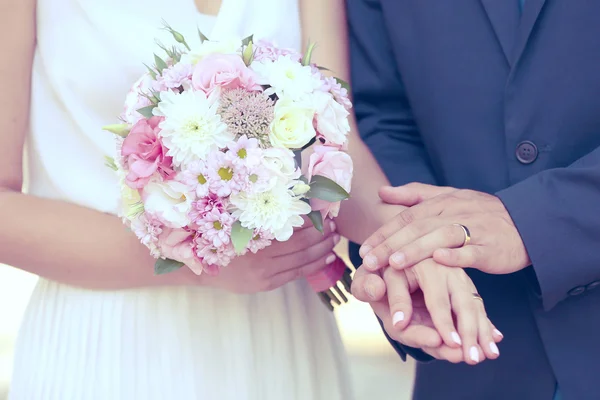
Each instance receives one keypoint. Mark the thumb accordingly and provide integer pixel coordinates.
(367, 286)
(411, 194)
(398, 297)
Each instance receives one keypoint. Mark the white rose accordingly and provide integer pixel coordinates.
(282, 164)
(228, 46)
(332, 118)
(169, 201)
(292, 126)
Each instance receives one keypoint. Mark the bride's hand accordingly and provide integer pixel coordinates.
(306, 252)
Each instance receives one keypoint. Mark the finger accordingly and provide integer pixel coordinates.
(367, 286)
(323, 249)
(486, 338)
(398, 298)
(422, 248)
(498, 336)
(411, 194)
(301, 240)
(437, 299)
(281, 278)
(464, 257)
(467, 315)
(449, 354)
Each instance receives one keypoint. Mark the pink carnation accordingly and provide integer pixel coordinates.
(178, 244)
(339, 93)
(215, 227)
(144, 154)
(175, 76)
(265, 50)
(223, 71)
(336, 165)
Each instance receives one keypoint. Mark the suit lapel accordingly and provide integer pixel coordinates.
(531, 13)
(504, 18)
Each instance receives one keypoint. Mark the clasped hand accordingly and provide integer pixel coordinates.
(413, 259)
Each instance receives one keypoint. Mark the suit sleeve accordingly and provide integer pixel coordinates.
(384, 118)
(557, 213)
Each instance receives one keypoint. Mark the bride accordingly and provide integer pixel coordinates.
(100, 325)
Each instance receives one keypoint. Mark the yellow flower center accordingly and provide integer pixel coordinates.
(217, 225)
(253, 178)
(226, 173)
(242, 153)
(201, 179)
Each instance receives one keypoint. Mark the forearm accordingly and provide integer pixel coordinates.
(75, 245)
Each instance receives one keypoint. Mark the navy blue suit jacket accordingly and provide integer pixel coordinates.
(470, 94)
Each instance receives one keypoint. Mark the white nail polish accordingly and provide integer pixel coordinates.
(336, 238)
(398, 317)
(474, 354)
(332, 226)
(330, 259)
(497, 332)
(456, 338)
(494, 349)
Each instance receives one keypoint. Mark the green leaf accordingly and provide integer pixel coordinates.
(147, 111)
(317, 219)
(303, 179)
(164, 266)
(248, 40)
(240, 236)
(344, 84)
(202, 36)
(323, 69)
(308, 55)
(325, 189)
(160, 63)
(151, 71)
(110, 163)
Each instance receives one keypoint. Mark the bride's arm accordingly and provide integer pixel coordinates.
(324, 22)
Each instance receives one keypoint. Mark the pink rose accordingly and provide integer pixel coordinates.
(144, 154)
(336, 165)
(178, 245)
(223, 71)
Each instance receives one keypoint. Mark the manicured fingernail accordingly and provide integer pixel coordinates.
(364, 249)
(494, 349)
(398, 259)
(332, 226)
(336, 238)
(497, 332)
(456, 338)
(474, 354)
(370, 261)
(398, 317)
(370, 289)
(330, 259)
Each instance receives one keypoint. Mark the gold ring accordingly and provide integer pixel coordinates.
(477, 296)
(467, 234)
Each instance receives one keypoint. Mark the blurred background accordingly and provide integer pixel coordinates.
(377, 371)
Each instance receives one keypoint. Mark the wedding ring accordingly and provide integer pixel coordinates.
(477, 296)
(467, 234)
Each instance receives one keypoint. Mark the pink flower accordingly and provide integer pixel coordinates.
(175, 76)
(196, 177)
(260, 241)
(224, 177)
(148, 228)
(265, 50)
(144, 154)
(223, 71)
(340, 94)
(178, 244)
(136, 100)
(336, 165)
(244, 152)
(213, 256)
(206, 204)
(216, 227)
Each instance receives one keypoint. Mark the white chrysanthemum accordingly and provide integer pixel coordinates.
(192, 128)
(169, 201)
(287, 77)
(276, 211)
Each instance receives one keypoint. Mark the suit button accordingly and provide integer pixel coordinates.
(577, 291)
(527, 152)
(593, 285)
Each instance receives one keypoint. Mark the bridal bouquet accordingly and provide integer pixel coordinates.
(208, 154)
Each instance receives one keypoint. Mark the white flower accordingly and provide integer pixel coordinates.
(131, 202)
(276, 211)
(192, 128)
(169, 201)
(136, 100)
(228, 46)
(282, 164)
(287, 78)
(332, 118)
(292, 126)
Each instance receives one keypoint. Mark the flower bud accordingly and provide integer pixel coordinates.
(248, 54)
(118, 129)
(300, 189)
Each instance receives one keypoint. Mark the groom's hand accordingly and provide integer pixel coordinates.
(431, 228)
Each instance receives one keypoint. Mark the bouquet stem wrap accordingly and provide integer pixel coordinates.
(326, 281)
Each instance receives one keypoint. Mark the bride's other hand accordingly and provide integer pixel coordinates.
(308, 251)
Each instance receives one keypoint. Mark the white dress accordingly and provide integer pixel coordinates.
(159, 343)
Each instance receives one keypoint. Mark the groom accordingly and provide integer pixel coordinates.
(501, 97)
